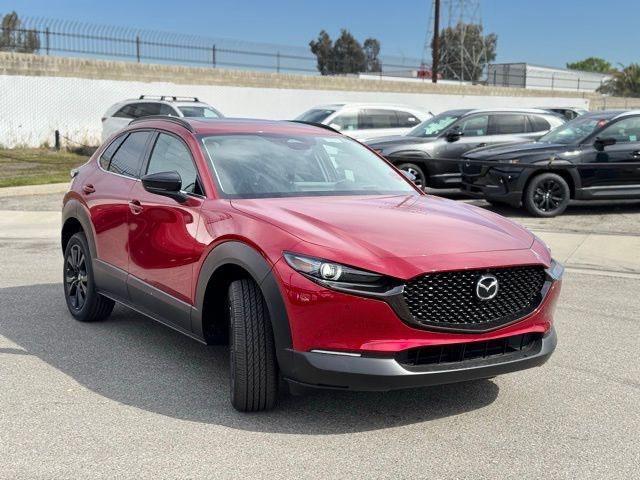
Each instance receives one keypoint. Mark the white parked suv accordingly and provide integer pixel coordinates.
(119, 115)
(366, 120)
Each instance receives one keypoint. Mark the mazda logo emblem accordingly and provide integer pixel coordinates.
(487, 287)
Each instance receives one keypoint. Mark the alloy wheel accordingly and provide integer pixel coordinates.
(76, 277)
(548, 195)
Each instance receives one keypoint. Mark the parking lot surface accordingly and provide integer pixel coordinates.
(130, 398)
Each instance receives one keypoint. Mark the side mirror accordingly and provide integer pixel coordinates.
(409, 175)
(600, 143)
(453, 135)
(167, 184)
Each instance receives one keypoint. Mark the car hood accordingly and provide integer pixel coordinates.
(365, 231)
(396, 140)
(510, 151)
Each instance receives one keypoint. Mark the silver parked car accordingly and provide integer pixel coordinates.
(366, 120)
(431, 150)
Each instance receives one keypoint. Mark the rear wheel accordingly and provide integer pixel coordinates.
(254, 369)
(83, 301)
(547, 195)
(416, 171)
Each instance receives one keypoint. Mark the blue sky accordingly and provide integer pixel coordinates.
(537, 31)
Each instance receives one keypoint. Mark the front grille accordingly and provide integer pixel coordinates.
(448, 300)
(514, 346)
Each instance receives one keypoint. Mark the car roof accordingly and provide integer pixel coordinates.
(509, 110)
(338, 106)
(220, 126)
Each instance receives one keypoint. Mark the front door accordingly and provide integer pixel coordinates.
(162, 236)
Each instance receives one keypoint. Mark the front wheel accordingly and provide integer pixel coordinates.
(420, 179)
(547, 195)
(83, 301)
(252, 353)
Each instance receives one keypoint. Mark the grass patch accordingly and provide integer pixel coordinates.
(36, 166)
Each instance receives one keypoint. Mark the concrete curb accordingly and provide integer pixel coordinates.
(25, 190)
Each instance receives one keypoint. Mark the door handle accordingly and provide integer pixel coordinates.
(635, 154)
(135, 207)
(481, 145)
(88, 188)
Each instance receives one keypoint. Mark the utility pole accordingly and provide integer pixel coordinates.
(435, 50)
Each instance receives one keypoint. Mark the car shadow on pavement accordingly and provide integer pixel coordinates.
(135, 361)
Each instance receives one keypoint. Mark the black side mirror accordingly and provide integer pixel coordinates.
(167, 184)
(453, 135)
(600, 143)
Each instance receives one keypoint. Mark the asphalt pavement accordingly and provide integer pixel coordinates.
(128, 398)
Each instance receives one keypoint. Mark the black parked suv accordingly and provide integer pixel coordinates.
(431, 151)
(594, 157)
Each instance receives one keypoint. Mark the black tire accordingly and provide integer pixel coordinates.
(252, 353)
(421, 178)
(547, 195)
(83, 301)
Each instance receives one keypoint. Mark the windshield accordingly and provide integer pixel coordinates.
(573, 132)
(434, 126)
(199, 112)
(267, 165)
(316, 115)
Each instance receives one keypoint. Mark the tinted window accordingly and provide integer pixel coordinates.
(538, 124)
(199, 112)
(171, 154)
(105, 158)
(316, 115)
(128, 111)
(345, 121)
(474, 126)
(137, 110)
(406, 119)
(167, 110)
(370, 118)
(146, 109)
(626, 130)
(128, 158)
(507, 124)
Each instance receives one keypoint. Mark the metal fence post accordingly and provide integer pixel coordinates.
(138, 48)
(56, 139)
(278, 61)
(553, 81)
(213, 55)
(578, 83)
(46, 38)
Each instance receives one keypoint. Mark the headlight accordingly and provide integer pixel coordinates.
(341, 277)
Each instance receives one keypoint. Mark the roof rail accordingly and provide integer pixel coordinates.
(316, 124)
(178, 120)
(168, 98)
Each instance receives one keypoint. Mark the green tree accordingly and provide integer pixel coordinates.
(465, 51)
(624, 83)
(591, 64)
(15, 38)
(371, 48)
(345, 55)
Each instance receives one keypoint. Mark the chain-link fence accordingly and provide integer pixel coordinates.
(69, 38)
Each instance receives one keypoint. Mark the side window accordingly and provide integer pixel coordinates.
(171, 154)
(128, 111)
(370, 118)
(538, 124)
(346, 121)
(146, 109)
(626, 130)
(475, 126)
(128, 158)
(505, 124)
(167, 110)
(105, 158)
(406, 119)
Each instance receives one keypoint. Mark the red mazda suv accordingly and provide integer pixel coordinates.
(316, 260)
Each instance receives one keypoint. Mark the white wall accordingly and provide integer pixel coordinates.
(32, 108)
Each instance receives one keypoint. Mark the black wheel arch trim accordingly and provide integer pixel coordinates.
(73, 209)
(246, 257)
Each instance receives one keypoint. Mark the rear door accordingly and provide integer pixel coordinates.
(162, 235)
(474, 129)
(107, 197)
(377, 122)
(508, 128)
